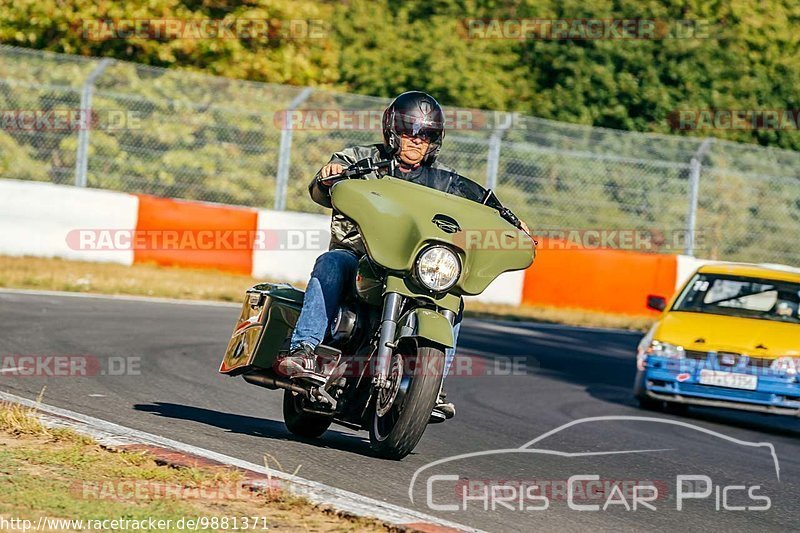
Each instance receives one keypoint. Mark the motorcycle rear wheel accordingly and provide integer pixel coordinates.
(397, 428)
(300, 423)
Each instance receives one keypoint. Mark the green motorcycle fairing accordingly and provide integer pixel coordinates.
(426, 324)
(403, 285)
(397, 219)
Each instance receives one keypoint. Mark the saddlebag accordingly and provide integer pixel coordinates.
(264, 327)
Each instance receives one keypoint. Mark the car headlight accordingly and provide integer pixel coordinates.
(665, 349)
(438, 268)
(786, 365)
(647, 340)
(644, 344)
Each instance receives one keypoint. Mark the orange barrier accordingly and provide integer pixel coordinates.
(613, 281)
(193, 234)
(200, 235)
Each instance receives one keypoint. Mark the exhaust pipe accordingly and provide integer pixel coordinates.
(274, 383)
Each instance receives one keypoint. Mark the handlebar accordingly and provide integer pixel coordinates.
(516, 222)
(359, 169)
(510, 217)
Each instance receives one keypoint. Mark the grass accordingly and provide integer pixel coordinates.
(558, 315)
(58, 473)
(173, 282)
(109, 278)
(17, 420)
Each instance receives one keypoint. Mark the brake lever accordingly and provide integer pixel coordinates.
(356, 171)
(514, 220)
(333, 178)
(510, 217)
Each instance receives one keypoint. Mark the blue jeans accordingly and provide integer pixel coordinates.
(333, 275)
(331, 279)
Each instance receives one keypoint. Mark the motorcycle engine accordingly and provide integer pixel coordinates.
(343, 325)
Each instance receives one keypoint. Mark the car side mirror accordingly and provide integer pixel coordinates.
(659, 303)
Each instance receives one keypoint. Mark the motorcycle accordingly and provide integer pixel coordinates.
(382, 361)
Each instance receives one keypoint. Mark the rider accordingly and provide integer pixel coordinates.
(413, 130)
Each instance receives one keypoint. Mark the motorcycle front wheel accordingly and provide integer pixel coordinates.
(401, 412)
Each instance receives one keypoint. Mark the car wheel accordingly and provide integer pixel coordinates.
(650, 404)
(640, 393)
(680, 409)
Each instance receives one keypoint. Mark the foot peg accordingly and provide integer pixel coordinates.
(443, 410)
(328, 359)
(436, 417)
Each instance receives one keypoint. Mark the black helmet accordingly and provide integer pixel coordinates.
(418, 114)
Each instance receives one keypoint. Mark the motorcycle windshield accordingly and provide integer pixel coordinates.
(397, 219)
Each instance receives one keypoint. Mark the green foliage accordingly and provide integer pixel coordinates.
(217, 139)
(16, 162)
(745, 55)
(740, 54)
(66, 26)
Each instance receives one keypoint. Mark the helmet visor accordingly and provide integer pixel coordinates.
(428, 127)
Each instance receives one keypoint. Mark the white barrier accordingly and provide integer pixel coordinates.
(506, 290)
(36, 219)
(687, 266)
(295, 240)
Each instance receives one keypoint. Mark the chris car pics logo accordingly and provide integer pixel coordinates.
(446, 489)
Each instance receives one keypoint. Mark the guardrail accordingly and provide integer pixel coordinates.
(49, 220)
(178, 134)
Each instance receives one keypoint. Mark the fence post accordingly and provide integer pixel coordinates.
(82, 157)
(493, 159)
(285, 153)
(695, 165)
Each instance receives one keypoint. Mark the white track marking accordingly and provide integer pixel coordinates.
(120, 297)
(114, 435)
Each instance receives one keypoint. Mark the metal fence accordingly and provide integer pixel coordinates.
(185, 135)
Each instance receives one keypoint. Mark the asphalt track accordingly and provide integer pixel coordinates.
(521, 380)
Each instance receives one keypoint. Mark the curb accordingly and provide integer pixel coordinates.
(178, 453)
(120, 297)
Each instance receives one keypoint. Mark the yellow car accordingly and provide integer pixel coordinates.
(729, 338)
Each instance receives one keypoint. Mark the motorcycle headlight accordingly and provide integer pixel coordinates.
(665, 349)
(786, 365)
(438, 268)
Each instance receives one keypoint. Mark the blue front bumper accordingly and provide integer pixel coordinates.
(678, 380)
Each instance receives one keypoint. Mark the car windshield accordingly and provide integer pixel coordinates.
(741, 296)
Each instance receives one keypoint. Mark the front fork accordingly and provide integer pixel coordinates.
(451, 316)
(392, 303)
(383, 357)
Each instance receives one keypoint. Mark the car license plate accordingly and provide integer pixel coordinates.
(728, 379)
